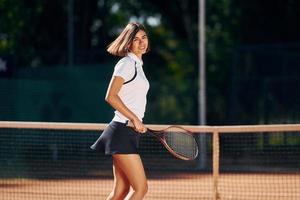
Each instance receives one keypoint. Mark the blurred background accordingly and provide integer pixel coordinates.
(54, 65)
(54, 68)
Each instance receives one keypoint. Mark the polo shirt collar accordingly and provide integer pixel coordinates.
(135, 58)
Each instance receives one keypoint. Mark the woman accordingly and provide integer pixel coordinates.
(127, 95)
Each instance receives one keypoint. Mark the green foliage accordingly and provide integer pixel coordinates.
(40, 27)
(222, 37)
(36, 33)
(28, 29)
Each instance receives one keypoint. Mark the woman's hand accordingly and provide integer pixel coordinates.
(137, 125)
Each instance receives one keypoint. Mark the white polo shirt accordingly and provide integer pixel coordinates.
(134, 93)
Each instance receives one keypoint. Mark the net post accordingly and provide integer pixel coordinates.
(216, 164)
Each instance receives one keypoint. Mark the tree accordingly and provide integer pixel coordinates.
(35, 32)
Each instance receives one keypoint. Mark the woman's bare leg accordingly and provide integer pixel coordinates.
(121, 184)
(132, 167)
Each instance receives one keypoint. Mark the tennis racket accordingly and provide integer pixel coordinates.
(178, 141)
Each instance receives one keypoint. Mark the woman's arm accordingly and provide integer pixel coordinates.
(114, 100)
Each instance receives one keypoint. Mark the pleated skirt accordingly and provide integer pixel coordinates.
(117, 138)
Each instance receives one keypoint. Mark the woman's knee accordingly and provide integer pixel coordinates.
(122, 193)
(142, 188)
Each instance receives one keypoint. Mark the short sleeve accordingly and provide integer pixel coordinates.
(125, 69)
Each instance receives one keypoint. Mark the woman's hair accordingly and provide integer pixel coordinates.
(119, 47)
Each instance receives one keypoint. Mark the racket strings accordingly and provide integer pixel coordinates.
(182, 144)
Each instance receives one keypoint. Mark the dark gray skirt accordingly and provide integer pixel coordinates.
(117, 138)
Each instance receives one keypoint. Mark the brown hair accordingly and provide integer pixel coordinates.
(119, 47)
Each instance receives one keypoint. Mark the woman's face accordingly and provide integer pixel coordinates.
(139, 44)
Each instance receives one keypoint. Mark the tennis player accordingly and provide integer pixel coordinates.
(127, 93)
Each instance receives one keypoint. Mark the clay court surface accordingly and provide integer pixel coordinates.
(161, 186)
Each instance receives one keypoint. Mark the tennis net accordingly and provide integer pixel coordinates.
(53, 161)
